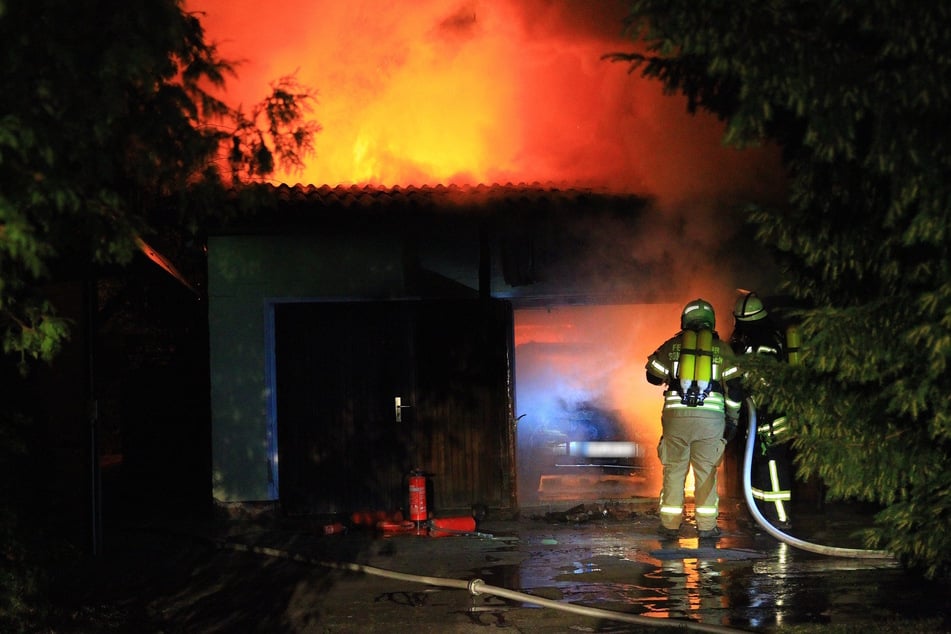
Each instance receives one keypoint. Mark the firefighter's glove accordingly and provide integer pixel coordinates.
(729, 431)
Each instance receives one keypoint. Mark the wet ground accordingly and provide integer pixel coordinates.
(288, 576)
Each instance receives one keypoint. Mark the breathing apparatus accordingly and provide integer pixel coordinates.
(695, 367)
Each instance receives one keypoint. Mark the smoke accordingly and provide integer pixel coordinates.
(571, 357)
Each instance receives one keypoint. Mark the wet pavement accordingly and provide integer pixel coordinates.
(606, 556)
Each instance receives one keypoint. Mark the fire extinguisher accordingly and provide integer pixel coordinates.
(444, 526)
(418, 513)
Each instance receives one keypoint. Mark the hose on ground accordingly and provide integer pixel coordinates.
(478, 587)
(856, 553)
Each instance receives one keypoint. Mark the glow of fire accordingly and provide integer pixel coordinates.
(593, 354)
(473, 91)
(498, 91)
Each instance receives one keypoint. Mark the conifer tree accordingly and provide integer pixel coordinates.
(110, 131)
(857, 95)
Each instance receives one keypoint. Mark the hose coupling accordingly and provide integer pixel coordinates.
(474, 587)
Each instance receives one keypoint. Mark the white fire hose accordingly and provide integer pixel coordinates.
(477, 587)
(857, 553)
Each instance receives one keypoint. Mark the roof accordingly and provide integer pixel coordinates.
(542, 241)
(433, 195)
(267, 208)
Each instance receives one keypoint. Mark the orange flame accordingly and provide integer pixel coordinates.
(473, 91)
(497, 91)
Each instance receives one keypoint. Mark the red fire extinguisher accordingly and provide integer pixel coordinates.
(418, 512)
(444, 526)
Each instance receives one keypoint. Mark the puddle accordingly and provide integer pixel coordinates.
(746, 580)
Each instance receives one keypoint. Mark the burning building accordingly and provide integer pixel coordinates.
(490, 335)
(422, 311)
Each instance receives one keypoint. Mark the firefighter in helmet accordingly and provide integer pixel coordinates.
(756, 332)
(701, 401)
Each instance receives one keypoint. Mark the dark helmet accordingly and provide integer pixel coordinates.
(698, 314)
(749, 307)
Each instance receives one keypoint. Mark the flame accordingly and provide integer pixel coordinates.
(474, 91)
(497, 91)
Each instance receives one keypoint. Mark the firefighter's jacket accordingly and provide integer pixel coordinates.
(763, 337)
(725, 395)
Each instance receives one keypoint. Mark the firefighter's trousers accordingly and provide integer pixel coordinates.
(691, 438)
(771, 483)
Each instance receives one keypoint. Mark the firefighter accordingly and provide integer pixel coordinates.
(755, 332)
(701, 405)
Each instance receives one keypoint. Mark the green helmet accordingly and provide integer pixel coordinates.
(698, 314)
(749, 308)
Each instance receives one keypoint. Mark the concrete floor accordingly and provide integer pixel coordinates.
(289, 576)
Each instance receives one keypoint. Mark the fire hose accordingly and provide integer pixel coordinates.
(478, 587)
(856, 553)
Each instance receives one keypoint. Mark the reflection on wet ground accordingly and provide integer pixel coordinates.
(612, 559)
(747, 580)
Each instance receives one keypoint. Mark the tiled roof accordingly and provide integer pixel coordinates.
(348, 196)
(272, 206)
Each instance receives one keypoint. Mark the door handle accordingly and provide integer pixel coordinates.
(398, 408)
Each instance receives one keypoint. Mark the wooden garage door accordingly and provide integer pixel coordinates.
(340, 367)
